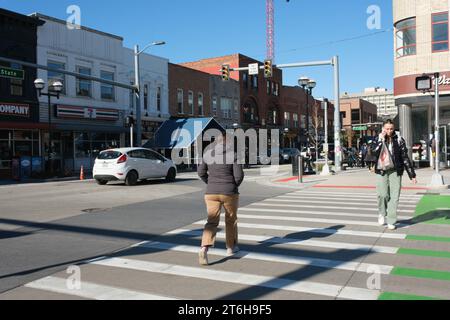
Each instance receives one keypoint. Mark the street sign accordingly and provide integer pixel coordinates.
(12, 73)
(253, 69)
(360, 128)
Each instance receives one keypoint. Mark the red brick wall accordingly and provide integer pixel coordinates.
(189, 80)
(263, 101)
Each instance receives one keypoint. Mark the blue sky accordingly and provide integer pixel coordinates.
(305, 31)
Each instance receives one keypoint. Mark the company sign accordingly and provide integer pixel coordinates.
(15, 110)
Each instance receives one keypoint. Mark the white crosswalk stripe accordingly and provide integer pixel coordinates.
(326, 221)
(295, 242)
(91, 290)
(337, 245)
(243, 278)
(270, 204)
(323, 263)
(330, 231)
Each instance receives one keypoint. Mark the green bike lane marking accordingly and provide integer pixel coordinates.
(433, 209)
(430, 210)
(427, 238)
(401, 296)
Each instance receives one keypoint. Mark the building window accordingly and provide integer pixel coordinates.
(276, 93)
(84, 85)
(287, 118)
(56, 76)
(295, 118)
(107, 90)
(145, 97)
(268, 86)
(255, 82)
(200, 104)
(440, 31)
(226, 107)
(356, 116)
(214, 106)
(236, 109)
(191, 102)
(245, 79)
(272, 84)
(16, 84)
(180, 101)
(406, 37)
(158, 99)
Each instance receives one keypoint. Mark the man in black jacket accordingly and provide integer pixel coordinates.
(389, 181)
(223, 180)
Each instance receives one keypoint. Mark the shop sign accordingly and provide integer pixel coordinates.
(16, 110)
(75, 112)
(12, 73)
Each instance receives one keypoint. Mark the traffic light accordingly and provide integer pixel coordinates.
(129, 121)
(225, 72)
(268, 69)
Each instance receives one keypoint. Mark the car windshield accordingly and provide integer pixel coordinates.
(109, 155)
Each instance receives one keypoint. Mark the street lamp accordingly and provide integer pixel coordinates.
(309, 84)
(54, 90)
(138, 88)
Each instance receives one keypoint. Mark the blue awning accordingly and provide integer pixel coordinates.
(181, 133)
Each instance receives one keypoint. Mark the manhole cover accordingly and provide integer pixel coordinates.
(95, 210)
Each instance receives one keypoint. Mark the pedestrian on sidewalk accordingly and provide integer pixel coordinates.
(223, 180)
(370, 157)
(391, 162)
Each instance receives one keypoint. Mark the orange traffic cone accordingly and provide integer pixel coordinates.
(81, 173)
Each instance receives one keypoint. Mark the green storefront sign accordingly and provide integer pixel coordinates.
(360, 128)
(12, 73)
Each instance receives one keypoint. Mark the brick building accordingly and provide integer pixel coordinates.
(260, 105)
(357, 113)
(189, 94)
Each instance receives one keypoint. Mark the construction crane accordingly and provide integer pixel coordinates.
(270, 25)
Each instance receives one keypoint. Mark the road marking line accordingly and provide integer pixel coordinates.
(296, 242)
(353, 194)
(327, 221)
(323, 263)
(92, 291)
(244, 279)
(267, 204)
(398, 236)
(326, 201)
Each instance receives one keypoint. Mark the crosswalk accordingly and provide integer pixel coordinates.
(302, 245)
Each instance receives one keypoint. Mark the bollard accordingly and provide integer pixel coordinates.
(300, 169)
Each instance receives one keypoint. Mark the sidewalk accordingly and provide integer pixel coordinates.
(363, 179)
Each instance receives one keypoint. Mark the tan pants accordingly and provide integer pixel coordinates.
(214, 205)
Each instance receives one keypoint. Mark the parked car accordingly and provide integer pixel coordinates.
(132, 164)
(287, 154)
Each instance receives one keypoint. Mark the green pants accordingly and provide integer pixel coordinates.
(388, 191)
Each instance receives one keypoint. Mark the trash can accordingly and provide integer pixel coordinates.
(25, 167)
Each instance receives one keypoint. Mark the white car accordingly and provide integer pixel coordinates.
(132, 164)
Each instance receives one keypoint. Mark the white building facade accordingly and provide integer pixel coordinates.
(90, 116)
(381, 97)
(154, 83)
(421, 46)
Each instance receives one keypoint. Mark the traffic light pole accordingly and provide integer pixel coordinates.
(337, 111)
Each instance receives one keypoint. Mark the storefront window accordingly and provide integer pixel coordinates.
(406, 37)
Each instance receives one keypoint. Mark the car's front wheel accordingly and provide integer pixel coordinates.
(171, 175)
(132, 178)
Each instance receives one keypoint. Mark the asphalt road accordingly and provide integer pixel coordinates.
(46, 227)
